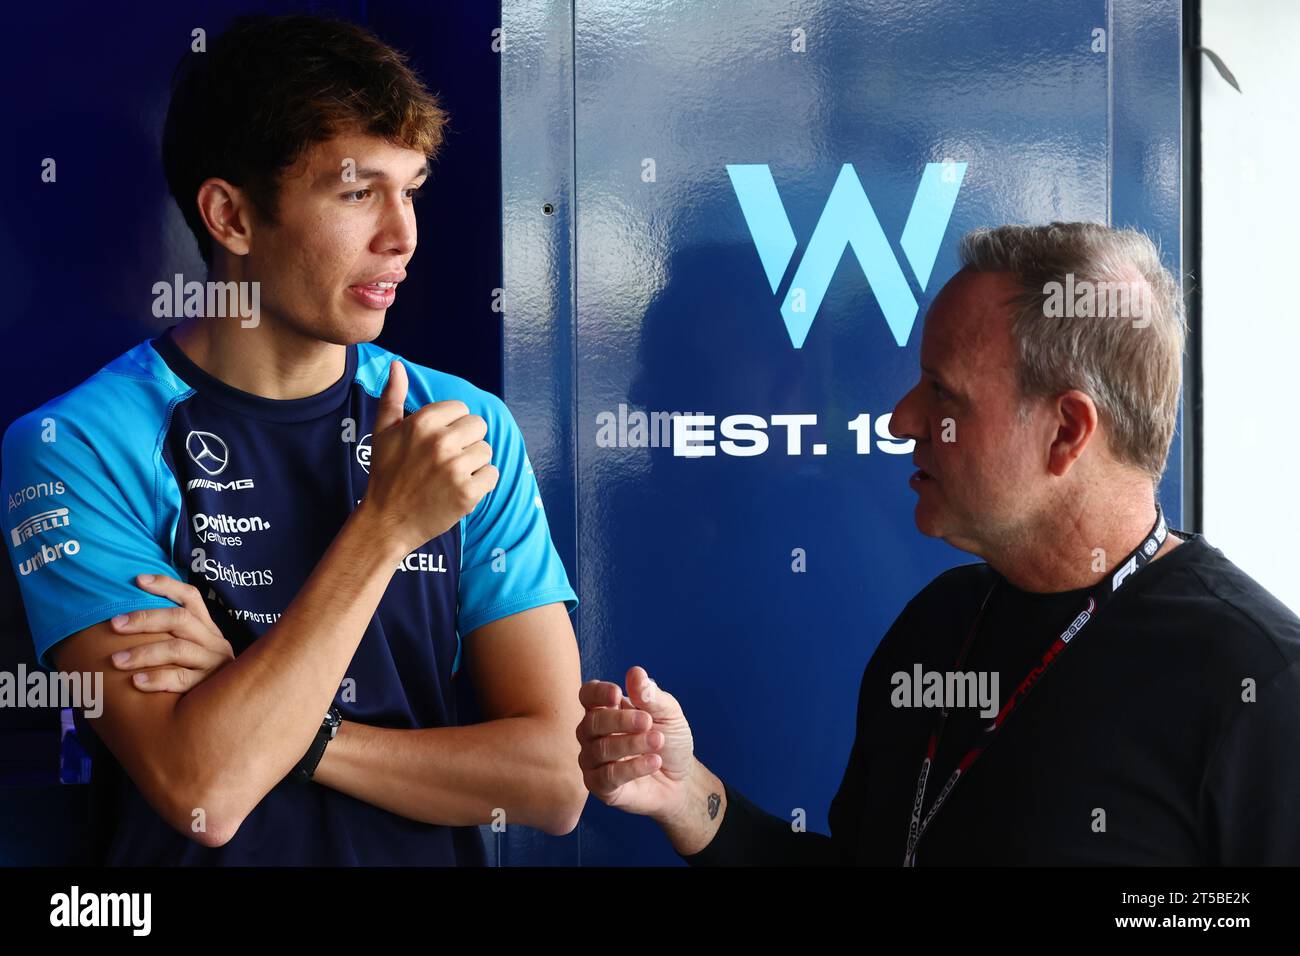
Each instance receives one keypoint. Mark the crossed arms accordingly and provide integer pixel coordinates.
(224, 744)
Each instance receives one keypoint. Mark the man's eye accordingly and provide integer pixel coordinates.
(939, 390)
(414, 193)
(353, 196)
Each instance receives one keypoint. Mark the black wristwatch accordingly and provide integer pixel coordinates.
(329, 727)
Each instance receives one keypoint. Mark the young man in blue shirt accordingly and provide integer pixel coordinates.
(330, 529)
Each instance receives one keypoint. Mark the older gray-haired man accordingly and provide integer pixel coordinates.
(1167, 723)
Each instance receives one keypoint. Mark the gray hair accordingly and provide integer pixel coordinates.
(1073, 325)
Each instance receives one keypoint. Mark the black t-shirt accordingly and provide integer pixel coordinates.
(1166, 733)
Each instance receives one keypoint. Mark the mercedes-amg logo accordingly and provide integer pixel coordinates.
(207, 451)
(363, 454)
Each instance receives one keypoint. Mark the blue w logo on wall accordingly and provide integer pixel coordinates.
(847, 220)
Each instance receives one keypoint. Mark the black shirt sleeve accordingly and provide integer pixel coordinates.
(749, 836)
(1251, 796)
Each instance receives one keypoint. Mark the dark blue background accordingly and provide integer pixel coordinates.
(87, 84)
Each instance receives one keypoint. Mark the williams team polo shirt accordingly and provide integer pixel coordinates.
(153, 466)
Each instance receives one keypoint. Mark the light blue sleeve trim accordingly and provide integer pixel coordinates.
(101, 443)
(513, 605)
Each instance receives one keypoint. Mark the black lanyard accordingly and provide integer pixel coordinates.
(1098, 596)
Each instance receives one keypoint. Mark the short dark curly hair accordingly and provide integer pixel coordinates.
(270, 87)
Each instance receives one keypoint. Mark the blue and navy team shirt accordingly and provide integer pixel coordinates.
(154, 466)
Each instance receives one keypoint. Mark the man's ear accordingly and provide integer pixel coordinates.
(1076, 424)
(226, 212)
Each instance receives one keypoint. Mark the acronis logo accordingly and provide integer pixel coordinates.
(847, 220)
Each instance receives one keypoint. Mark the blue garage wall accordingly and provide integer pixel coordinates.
(644, 288)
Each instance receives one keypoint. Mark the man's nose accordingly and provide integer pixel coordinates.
(905, 422)
(398, 231)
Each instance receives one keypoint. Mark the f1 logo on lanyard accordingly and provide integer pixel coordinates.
(1097, 597)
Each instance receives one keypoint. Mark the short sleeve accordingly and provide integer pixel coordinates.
(82, 523)
(750, 836)
(508, 561)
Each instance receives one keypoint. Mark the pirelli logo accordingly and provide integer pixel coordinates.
(39, 523)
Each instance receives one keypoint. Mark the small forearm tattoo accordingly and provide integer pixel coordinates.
(715, 803)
